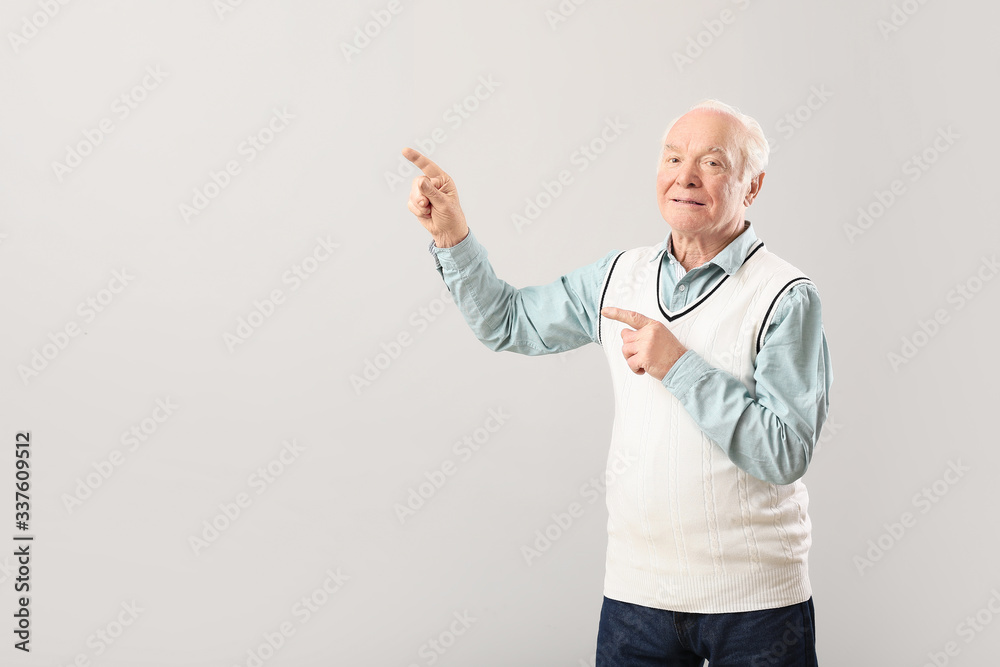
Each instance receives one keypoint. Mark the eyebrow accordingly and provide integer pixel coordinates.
(711, 149)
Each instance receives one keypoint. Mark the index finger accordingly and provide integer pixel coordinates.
(629, 317)
(425, 164)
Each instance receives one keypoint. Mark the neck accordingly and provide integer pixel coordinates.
(693, 250)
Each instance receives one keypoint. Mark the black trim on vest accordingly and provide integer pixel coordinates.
(607, 283)
(766, 324)
(659, 300)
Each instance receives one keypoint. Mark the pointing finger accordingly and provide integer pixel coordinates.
(629, 317)
(425, 164)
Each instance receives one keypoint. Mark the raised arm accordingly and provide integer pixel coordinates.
(543, 319)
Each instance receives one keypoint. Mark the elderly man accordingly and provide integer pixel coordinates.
(721, 374)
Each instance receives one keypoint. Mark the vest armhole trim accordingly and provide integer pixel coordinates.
(600, 306)
(772, 308)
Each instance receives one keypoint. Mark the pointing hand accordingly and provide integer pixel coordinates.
(649, 347)
(434, 200)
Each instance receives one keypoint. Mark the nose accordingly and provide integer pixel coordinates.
(687, 175)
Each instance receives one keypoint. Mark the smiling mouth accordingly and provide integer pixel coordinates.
(689, 202)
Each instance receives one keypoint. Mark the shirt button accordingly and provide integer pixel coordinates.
(681, 288)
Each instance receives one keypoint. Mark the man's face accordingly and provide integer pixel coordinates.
(698, 183)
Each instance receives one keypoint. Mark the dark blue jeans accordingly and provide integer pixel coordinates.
(631, 635)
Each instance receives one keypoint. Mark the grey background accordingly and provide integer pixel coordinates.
(892, 431)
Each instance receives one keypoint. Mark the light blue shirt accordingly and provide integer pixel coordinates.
(771, 437)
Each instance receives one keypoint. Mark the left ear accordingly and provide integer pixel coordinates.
(755, 184)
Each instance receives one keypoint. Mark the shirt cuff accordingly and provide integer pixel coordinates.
(431, 248)
(685, 373)
(458, 256)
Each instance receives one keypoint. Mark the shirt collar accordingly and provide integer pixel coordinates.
(729, 258)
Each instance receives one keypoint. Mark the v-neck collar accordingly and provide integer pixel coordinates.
(672, 315)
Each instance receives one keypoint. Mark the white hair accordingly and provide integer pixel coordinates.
(752, 142)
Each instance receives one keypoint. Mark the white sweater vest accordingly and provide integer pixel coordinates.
(688, 530)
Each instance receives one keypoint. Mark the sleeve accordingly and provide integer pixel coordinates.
(772, 437)
(544, 319)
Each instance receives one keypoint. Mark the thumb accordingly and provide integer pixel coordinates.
(427, 188)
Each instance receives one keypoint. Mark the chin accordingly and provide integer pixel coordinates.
(685, 220)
